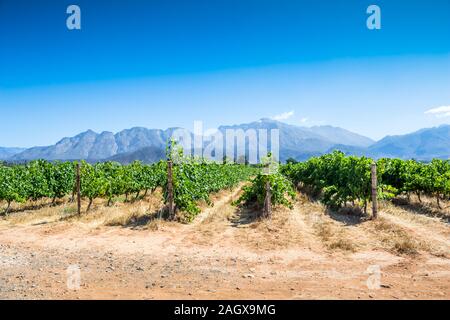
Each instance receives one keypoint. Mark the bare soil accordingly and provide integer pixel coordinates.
(304, 253)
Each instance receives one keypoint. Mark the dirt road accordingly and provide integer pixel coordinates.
(300, 254)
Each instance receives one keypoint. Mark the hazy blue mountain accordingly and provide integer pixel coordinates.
(146, 155)
(294, 138)
(90, 145)
(424, 144)
(297, 142)
(342, 136)
(127, 145)
(6, 153)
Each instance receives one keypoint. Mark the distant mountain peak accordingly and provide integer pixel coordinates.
(140, 143)
(267, 120)
(88, 131)
(423, 144)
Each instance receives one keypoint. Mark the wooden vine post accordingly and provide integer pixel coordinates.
(170, 189)
(268, 201)
(78, 188)
(374, 191)
(267, 212)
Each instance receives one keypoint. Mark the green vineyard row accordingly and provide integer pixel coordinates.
(335, 179)
(338, 179)
(193, 181)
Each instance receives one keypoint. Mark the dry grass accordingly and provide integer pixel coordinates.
(427, 207)
(45, 214)
(127, 217)
(280, 231)
(132, 214)
(136, 218)
(32, 217)
(395, 239)
(154, 224)
(302, 226)
(211, 222)
(433, 230)
(333, 236)
(331, 233)
(363, 233)
(391, 209)
(308, 225)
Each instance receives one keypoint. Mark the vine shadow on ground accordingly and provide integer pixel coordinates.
(245, 216)
(422, 209)
(32, 206)
(142, 221)
(348, 216)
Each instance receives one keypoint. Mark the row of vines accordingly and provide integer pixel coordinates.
(193, 181)
(41, 179)
(338, 179)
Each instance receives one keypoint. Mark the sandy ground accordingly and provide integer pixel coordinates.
(305, 253)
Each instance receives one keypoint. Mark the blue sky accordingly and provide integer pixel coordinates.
(166, 63)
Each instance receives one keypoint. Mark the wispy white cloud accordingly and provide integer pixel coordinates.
(439, 112)
(304, 120)
(283, 116)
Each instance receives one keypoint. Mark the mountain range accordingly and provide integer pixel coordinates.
(6, 153)
(300, 143)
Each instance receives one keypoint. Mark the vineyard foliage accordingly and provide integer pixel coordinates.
(335, 178)
(111, 179)
(338, 179)
(432, 179)
(36, 180)
(42, 179)
(282, 191)
(193, 181)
